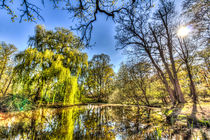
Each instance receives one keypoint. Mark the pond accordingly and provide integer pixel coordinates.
(98, 122)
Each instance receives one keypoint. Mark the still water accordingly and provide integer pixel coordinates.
(96, 122)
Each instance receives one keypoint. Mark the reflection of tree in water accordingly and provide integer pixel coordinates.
(135, 122)
(42, 124)
(93, 122)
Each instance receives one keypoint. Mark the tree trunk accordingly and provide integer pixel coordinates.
(37, 95)
(2, 71)
(163, 78)
(177, 88)
(10, 81)
(185, 53)
(145, 96)
(192, 85)
(171, 77)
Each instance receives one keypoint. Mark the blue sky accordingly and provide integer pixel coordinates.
(103, 34)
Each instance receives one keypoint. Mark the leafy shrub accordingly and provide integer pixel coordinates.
(13, 102)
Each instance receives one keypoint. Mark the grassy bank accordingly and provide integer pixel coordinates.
(11, 102)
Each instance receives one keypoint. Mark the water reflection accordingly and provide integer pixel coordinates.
(95, 122)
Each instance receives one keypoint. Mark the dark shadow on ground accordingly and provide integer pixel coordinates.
(176, 110)
(192, 120)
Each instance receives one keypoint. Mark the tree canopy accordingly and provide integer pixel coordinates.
(100, 76)
(52, 61)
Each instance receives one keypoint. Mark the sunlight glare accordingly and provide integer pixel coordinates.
(183, 31)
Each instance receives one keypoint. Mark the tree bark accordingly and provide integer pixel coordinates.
(2, 71)
(10, 81)
(185, 57)
(177, 87)
(192, 85)
(160, 50)
(162, 77)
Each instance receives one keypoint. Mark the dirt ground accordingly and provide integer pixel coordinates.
(201, 110)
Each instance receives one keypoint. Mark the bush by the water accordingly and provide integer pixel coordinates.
(13, 102)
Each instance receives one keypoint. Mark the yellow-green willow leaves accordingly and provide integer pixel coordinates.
(50, 67)
(6, 67)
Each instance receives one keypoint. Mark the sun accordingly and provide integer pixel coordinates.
(183, 31)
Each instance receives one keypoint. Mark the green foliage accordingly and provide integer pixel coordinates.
(54, 69)
(116, 97)
(134, 84)
(13, 102)
(100, 77)
(51, 66)
(158, 132)
(6, 67)
(168, 112)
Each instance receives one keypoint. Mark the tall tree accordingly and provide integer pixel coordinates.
(162, 34)
(140, 77)
(196, 18)
(6, 66)
(187, 54)
(127, 91)
(133, 80)
(51, 65)
(196, 12)
(152, 36)
(100, 75)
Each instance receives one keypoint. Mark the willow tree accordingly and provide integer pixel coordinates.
(50, 67)
(6, 66)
